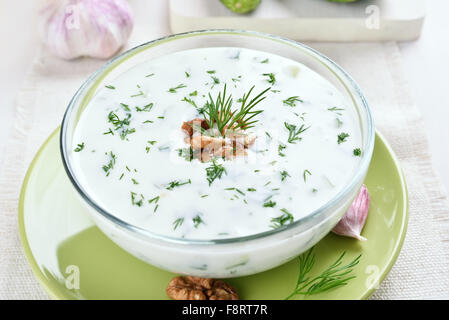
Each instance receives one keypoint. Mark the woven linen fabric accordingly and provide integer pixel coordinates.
(422, 268)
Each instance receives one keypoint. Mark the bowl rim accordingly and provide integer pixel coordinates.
(330, 64)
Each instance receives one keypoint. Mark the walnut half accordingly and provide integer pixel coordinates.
(195, 288)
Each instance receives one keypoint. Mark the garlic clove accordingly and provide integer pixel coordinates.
(353, 221)
(76, 28)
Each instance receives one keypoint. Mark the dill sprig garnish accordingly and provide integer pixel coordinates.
(336, 110)
(215, 81)
(334, 276)
(220, 113)
(265, 61)
(186, 153)
(178, 222)
(148, 148)
(135, 202)
(305, 173)
(284, 175)
(146, 108)
(110, 87)
(121, 124)
(293, 133)
(140, 93)
(175, 183)
(238, 79)
(339, 122)
(190, 101)
(235, 189)
(155, 200)
(125, 107)
(281, 147)
(80, 146)
(292, 101)
(179, 86)
(271, 77)
(269, 204)
(342, 137)
(357, 152)
(197, 221)
(214, 171)
(110, 164)
(283, 219)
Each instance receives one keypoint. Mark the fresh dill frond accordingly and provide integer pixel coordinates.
(339, 122)
(187, 74)
(140, 93)
(293, 133)
(110, 164)
(146, 108)
(175, 183)
(292, 101)
(121, 124)
(336, 275)
(214, 171)
(283, 219)
(134, 200)
(281, 148)
(186, 153)
(197, 221)
(193, 94)
(357, 152)
(215, 81)
(220, 113)
(284, 175)
(342, 137)
(155, 199)
(125, 107)
(336, 110)
(178, 222)
(305, 173)
(80, 146)
(269, 204)
(271, 77)
(265, 61)
(110, 87)
(190, 101)
(179, 86)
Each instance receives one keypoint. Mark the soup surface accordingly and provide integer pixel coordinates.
(300, 148)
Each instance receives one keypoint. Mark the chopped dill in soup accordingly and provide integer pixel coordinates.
(216, 143)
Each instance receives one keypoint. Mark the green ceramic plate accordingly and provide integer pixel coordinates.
(63, 246)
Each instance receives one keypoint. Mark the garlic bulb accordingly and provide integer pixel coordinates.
(75, 28)
(353, 221)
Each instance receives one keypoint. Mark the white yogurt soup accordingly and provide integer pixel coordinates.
(160, 148)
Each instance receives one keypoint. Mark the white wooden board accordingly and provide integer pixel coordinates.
(308, 20)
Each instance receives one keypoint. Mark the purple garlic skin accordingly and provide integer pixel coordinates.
(353, 221)
(91, 28)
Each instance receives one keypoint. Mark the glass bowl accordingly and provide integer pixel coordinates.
(230, 257)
